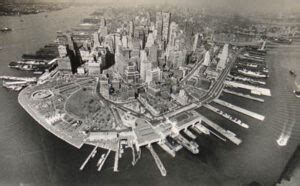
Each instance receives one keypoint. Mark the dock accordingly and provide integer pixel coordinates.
(116, 163)
(167, 148)
(253, 89)
(91, 155)
(227, 116)
(239, 109)
(158, 162)
(27, 79)
(189, 134)
(244, 95)
(103, 161)
(189, 145)
(226, 133)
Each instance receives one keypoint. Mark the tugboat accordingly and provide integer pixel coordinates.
(5, 29)
(292, 73)
(297, 87)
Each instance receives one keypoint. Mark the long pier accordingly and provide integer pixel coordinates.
(253, 89)
(158, 162)
(116, 163)
(103, 161)
(243, 95)
(27, 79)
(228, 134)
(227, 116)
(166, 148)
(189, 145)
(91, 155)
(239, 109)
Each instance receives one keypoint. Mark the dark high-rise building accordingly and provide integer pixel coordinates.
(73, 53)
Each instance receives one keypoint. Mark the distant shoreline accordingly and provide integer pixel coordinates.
(18, 9)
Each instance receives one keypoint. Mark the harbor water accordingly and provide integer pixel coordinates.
(31, 155)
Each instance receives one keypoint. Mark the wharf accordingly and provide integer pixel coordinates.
(253, 89)
(158, 162)
(27, 79)
(243, 95)
(239, 109)
(226, 133)
(227, 116)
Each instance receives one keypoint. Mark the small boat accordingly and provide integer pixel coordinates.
(297, 93)
(292, 73)
(5, 29)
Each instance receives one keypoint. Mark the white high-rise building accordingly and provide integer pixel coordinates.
(153, 75)
(145, 65)
(195, 42)
(150, 40)
(206, 61)
(62, 50)
(172, 34)
(166, 24)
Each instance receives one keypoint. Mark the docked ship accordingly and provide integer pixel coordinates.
(252, 73)
(15, 85)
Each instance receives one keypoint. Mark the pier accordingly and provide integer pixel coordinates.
(226, 133)
(189, 134)
(239, 109)
(158, 162)
(189, 145)
(91, 155)
(253, 89)
(116, 163)
(27, 79)
(227, 116)
(103, 160)
(244, 95)
(167, 147)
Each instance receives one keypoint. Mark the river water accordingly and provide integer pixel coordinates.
(31, 155)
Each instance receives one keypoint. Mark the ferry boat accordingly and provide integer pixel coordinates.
(297, 87)
(252, 73)
(283, 140)
(5, 29)
(292, 73)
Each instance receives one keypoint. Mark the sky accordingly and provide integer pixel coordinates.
(239, 6)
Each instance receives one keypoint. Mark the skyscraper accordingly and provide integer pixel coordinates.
(131, 73)
(172, 34)
(145, 65)
(159, 25)
(196, 38)
(73, 53)
(166, 25)
(131, 28)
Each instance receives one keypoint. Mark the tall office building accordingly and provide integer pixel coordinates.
(172, 34)
(153, 55)
(150, 40)
(145, 65)
(159, 25)
(104, 86)
(196, 38)
(73, 53)
(154, 75)
(166, 25)
(131, 29)
(96, 39)
(62, 50)
(102, 22)
(131, 73)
